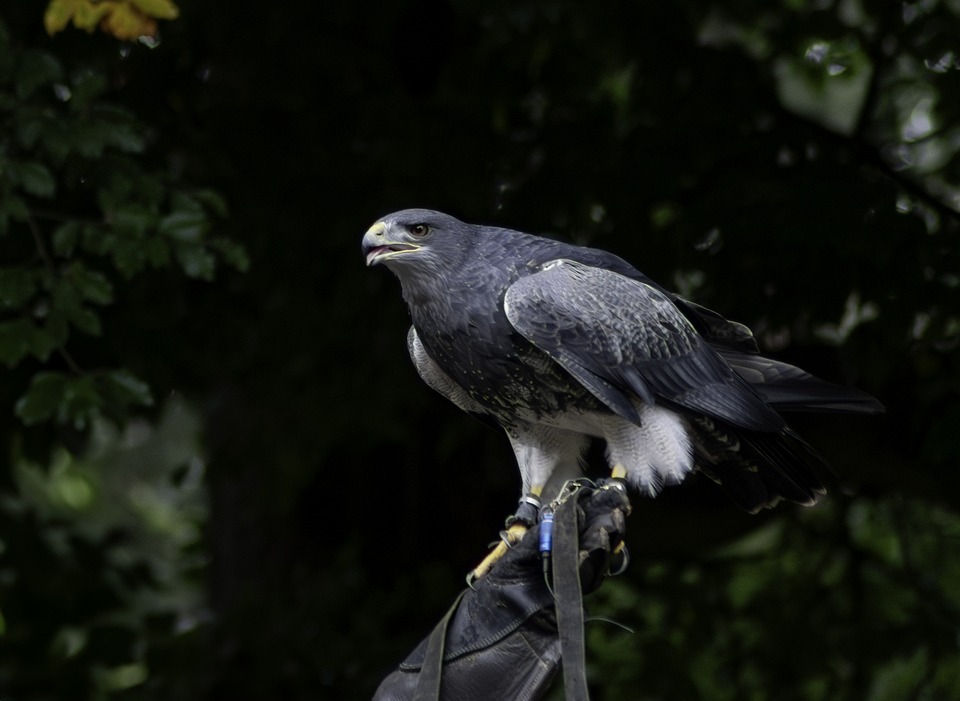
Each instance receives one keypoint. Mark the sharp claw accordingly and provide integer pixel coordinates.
(508, 539)
(490, 560)
(623, 555)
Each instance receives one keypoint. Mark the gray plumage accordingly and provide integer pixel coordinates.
(558, 343)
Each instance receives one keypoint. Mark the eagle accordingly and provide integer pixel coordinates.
(558, 344)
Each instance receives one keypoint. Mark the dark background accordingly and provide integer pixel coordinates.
(295, 510)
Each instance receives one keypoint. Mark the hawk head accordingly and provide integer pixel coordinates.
(420, 246)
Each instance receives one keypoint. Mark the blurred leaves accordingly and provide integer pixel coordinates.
(829, 83)
(124, 19)
(852, 614)
(79, 400)
(111, 569)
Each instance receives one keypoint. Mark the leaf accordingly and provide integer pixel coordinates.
(89, 14)
(161, 9)
(35, 178)
(158, 251)
(85, 320)
(186, 226)
(196, 261)
(125, 138)
(900, 677)
(65, 238)
(58, 141)
(101, 130)
(63, 295)
(127, 388)
(57, 327)
(67, 300)
(42, 343)
(37, 68)
(213, 201)
(86, 86)
(14, 341)
(132, 219)
(97, 239)
(42, 399)
(106, 126)
(93, 286)
(58, 15)
(51, 335)
(17, 286)
(233, 253)
(29, 128)
(128, 256)
(88, 138)
(128, 23)
(124, 19)
(13, 207)
(183, 201)
(54, 394)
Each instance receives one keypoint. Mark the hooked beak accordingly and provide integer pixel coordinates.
(376, 249)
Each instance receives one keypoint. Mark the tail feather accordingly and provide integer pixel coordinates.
(757, 469)
(788, 388)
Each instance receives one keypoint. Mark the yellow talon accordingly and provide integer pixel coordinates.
(516, 528)
(618, 472)
(510, 538)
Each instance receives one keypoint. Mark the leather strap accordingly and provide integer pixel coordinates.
(568, 597)
(428, 683)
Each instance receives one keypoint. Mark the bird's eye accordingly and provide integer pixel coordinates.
(418, 230)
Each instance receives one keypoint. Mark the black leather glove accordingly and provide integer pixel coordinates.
(501, 639)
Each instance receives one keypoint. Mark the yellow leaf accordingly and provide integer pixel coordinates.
(127, 23)
(125, 19)
(58, 14)
(161, 9)
(88, 14)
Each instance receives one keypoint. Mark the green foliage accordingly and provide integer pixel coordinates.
(81, 210)
(79, 400)
(755, 619)
(111, 570)
(98, 547)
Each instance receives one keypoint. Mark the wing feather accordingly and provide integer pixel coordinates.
(621, 337)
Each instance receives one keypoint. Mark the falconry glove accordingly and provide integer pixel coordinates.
(501, 639)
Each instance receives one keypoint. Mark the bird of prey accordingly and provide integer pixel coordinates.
(558, 344)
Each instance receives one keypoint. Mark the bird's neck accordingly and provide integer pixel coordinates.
(430, 310)
(457, 303)
(420, 294)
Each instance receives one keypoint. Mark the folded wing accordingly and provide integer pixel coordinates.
(621, 338)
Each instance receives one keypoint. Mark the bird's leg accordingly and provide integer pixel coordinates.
(528, 511)
(619, 472)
